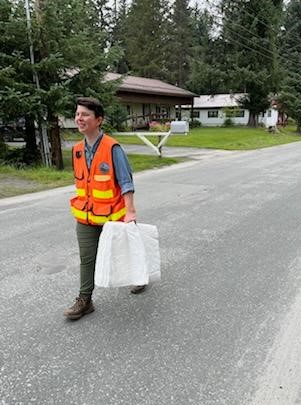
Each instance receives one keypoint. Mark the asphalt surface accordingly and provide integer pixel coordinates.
(222, 327)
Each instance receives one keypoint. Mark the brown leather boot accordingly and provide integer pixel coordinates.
(83, 305)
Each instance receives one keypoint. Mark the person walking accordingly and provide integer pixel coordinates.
(104, 192)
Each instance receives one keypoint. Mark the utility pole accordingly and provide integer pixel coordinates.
(41, 120)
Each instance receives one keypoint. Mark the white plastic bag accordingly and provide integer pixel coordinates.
(150, 239)
(127, 255)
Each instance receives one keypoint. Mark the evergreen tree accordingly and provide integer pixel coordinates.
(290, 96)
(206, 73)
(250, 33)
(71, 57)
(146, 38)
(17, 90)
(180, 42)
(119, 35)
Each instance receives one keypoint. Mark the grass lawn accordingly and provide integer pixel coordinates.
(233, 138)
(15, 182)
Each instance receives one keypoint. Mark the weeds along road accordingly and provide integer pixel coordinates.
(222, 327)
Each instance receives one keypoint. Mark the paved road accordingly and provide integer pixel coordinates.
(223, 327)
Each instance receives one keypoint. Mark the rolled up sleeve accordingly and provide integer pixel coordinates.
(122, 169)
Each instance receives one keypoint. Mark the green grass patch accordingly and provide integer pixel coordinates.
(234, 138)
(19, 181)
(145, 162)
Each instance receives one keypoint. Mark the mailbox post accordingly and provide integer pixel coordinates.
(176, 128)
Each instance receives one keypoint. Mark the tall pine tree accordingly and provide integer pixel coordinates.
(118, 36)
(146, 38)
(18, 98)
(71, 56)
(250, 33)
(206, 73)
(290, 96)
(180, 43)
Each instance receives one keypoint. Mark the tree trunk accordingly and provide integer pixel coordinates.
(55, 142)
(32, 153)
(253, 120)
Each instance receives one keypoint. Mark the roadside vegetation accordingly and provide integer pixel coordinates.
(15, 181)
(228, 138)
(22, 180)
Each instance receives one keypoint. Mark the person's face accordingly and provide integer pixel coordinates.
(86, 121)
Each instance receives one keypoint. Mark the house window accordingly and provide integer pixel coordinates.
(240, 113)
(128, 109)
(269, 113)
(235, 113)
(196, 114)
(213, 114)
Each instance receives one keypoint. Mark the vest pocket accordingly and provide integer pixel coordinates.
(79, 175)
(78, 204)
(101, 211)
(102, 187)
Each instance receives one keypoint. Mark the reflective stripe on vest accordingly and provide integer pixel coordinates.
(80, 192)
(79, 214)
(96, 193)
(102, 194)
(97, 219)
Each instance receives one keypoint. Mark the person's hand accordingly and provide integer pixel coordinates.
(130, 216)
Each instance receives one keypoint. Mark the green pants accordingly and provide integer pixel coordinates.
(87, 236)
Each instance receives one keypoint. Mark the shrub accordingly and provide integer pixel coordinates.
(3, 149)
(155, 126)
(117, 117)
(228, 122)
(20, 158)
(108, 128)
(291, 121)
(195, 124)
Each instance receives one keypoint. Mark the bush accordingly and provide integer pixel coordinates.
(117, 117)
(20, 158)
(108, 128)
(155, 126)
(291, 121)
(228, 122)
(3, 149)
(195, 124)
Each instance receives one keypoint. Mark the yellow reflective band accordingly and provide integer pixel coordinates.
(117, 215)
(102, 194)
(98, 219)
(80, 192)
(78, 213)
(102, 177)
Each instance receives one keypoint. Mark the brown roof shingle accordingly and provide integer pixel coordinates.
(137, 84)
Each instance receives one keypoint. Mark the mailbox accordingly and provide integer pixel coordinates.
(179, 127)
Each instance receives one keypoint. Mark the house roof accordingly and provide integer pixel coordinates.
(218, 100)
(135, 84)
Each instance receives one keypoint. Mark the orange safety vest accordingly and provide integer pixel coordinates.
(99, 196)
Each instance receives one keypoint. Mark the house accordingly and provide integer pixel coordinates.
(149, 99)
(213, 110)
(145, 100)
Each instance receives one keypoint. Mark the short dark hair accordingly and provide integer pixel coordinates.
(92, 104)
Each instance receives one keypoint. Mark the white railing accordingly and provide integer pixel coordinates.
(176, 128)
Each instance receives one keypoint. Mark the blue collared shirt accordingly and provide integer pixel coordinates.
(122, 168)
